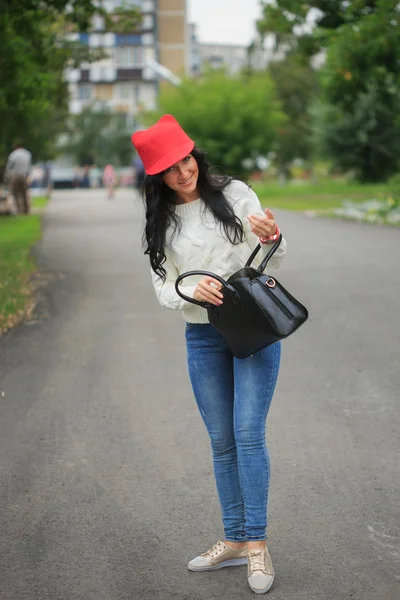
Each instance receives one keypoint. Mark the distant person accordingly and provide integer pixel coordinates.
(85, 179)
(197, 220)
(35, 180)
(76, 177)
(140, 173)
(110, 180)
(18, 166)
(96, 176)
(47, 184)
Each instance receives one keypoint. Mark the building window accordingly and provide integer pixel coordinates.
(84, 92)
(147, 39)
(128, 39)
(95, 40)
(129, 56)
(125, 91)
(105, 74)
(98, 23)
(147, 22)
(136, 91)
(128, 91)
(104, 91)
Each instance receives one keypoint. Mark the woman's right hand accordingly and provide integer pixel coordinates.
(208, 290)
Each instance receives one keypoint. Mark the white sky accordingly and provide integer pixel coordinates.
(224, 21)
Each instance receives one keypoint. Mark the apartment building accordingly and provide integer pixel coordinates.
(127, 79)
(232, 57)
(194, 50)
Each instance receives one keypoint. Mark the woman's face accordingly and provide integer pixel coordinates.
(182, 178)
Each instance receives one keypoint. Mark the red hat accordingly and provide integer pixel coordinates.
(162, 145)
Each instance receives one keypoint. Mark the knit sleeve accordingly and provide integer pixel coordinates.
(165, 290)
(249, 204)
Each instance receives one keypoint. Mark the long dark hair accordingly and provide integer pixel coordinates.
(160, 214)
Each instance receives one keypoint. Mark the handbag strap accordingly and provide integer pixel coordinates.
(206, 274)
(262, 266)
(266, 259)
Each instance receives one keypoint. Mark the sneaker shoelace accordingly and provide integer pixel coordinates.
(258, 561)
(215, 550)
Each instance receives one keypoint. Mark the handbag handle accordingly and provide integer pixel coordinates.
(206, 274)
(261, 267)
(266, 259)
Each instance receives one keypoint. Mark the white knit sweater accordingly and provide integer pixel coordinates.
(201, 244)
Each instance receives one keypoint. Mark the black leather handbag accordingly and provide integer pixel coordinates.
(256, 311)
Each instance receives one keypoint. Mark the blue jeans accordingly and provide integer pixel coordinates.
(234, 396)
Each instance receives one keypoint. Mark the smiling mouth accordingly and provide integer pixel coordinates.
(187, 182)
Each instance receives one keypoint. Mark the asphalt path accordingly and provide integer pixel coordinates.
(106, 483)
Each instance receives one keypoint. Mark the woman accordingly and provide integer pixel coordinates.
(109, 180)
(196, 220)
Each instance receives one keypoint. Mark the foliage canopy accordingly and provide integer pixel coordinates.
(357, 117)
(98, 137)
(235, 119)
(33, 56)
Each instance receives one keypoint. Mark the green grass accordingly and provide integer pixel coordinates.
(17, 236)
(320, 196)
(40, 202)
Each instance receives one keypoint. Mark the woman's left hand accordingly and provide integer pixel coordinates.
(263, 227)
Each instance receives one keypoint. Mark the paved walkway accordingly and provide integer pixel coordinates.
(106, 483)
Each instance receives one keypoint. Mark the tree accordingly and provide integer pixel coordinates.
(297, 87)
(33, 55)
(365, 139)
(33, 95)
(88, 131)
(234, 118)
(286, 22)
(360, 79)
(301, 27)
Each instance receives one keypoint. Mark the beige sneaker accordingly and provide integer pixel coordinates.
(260, 571)
(219, 556)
